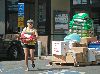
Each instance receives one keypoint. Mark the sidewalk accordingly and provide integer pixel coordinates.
(45, 57)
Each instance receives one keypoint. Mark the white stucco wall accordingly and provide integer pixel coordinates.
(2, 16)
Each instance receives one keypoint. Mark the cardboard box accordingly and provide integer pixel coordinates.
(76, 44)
(70, 57)
(88, 39)
(85, 58)
(75, 57)
(83, 44)
(98, 57)
(79, 57)
(83, 50)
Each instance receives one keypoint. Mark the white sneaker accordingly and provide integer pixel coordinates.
(27, 69)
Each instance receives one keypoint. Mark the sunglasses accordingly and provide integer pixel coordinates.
(30, 22)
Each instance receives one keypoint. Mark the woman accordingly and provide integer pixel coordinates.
(30, 45)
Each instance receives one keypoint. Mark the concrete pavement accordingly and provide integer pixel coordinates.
(18, 67)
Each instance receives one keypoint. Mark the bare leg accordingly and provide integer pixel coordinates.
(26, 57)
(32, 55)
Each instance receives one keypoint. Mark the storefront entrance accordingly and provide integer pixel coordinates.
(38, 10)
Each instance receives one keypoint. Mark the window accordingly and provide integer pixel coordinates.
(61, 20)
(12, 14)
(12, 5)
(75, 2)
(94, 1)
(41, 16)
(42, 12)
(12, 10)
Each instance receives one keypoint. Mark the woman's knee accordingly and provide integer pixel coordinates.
(31, 52)
(26, 51)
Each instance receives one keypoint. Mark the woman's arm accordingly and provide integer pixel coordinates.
(24, 30)
(36, 33)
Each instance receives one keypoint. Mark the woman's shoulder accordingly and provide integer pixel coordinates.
(24, 29)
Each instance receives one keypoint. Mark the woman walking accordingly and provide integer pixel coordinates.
(29, 37)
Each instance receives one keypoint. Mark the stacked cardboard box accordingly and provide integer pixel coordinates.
(77, 44)
(82, 53)
(74, 57)
(80, 57)
(88, 39)
(70, 57)
(78, 53)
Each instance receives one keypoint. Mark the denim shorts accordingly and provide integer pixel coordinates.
(28, 46)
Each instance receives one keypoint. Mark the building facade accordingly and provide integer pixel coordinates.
(2, 17)
(51, 17)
